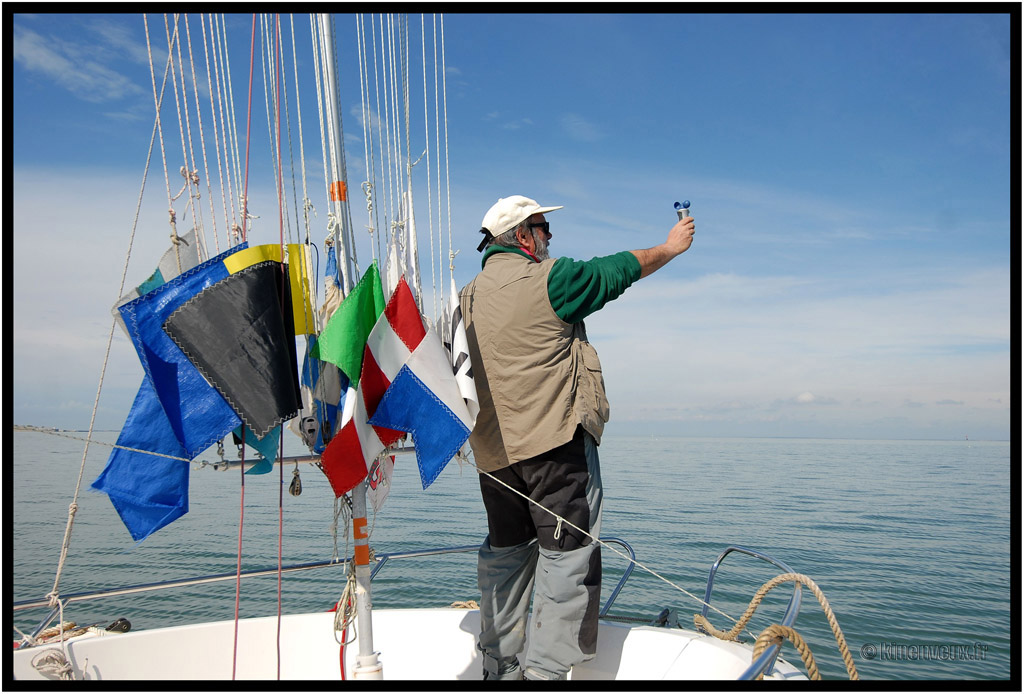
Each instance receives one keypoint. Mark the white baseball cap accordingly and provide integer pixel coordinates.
(509, 212)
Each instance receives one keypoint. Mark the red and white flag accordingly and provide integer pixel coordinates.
(353, 452)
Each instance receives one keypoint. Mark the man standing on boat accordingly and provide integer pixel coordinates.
(542, 413)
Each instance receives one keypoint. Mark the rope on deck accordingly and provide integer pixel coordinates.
(775, 633)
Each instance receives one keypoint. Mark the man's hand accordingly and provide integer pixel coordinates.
(681, 236)
(679, 239)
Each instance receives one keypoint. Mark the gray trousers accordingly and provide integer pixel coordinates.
(529, 552)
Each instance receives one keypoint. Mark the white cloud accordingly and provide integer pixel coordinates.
(517, 124)
(787, 345)
(121, 38)
(71, 66)
(579, 128)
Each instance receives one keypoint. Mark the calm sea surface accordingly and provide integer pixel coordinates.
(909, 540)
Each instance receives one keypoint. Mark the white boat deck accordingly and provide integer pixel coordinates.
(414, 644)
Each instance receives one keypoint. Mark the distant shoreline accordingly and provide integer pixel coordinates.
(48, 429)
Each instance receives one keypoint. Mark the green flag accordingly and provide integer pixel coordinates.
(343, 338)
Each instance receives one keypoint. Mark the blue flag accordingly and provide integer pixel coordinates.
(197, 413)
(147, 491)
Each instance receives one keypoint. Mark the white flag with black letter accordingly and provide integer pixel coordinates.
(458, 348)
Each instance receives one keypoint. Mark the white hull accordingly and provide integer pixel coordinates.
(417, 644)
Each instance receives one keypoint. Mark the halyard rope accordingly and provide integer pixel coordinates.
(216, 139)
(89, 440)
(447, 177)
(54, 594)
(702, 622)
(605, 545)
(437, 153)
(202, 134)
(775, 633)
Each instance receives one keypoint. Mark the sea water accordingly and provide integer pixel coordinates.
(908, 540)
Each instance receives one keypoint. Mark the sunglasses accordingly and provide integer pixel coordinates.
(543, 226)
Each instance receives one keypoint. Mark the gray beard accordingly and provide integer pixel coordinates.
(541, 248)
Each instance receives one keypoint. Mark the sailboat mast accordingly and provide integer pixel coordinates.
(368, 665)
(337, 185)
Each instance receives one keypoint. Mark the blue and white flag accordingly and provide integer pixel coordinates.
(424, 400)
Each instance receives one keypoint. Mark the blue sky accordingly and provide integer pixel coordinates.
(849, 173)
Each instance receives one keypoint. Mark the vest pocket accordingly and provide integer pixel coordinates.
(592, 388)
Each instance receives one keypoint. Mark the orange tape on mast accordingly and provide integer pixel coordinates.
(361, 551)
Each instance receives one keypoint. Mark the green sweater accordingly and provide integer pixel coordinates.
(577, 288)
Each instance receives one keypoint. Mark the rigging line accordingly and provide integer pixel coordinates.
(328, 133)
(346, 209)
(437, 149)
(158, 102)
(401, 215)
(343, 205)
(314, 30)
(395, 46)
(186, 170)
(605, 545)
(360, 50)
(447, 176)
(411, 232)
(273, 80)
(332, 238)
(387, 148)
(228, 125)
(278, 67)
(426, 138)
(202, 137)
(270, 96)
(191, 172)
(248, 131)
(306, 204)
(227, 133)
(401, 201)
(291, 148)
(387, 195)
(369, 123)
(229, 189)
(238, 561)
(404, 25)
(245, 226)
(73, 507)
(280, 94)
(376, 125)
(315, 44)
(268, 88)
(234, 153)
(380, 188)
(216, 142)
(88, 438)
(385, 144)
(233, 122)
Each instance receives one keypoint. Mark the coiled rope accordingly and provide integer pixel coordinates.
(775, 633)
(53, 662)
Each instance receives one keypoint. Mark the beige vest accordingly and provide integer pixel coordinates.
(536, 376)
